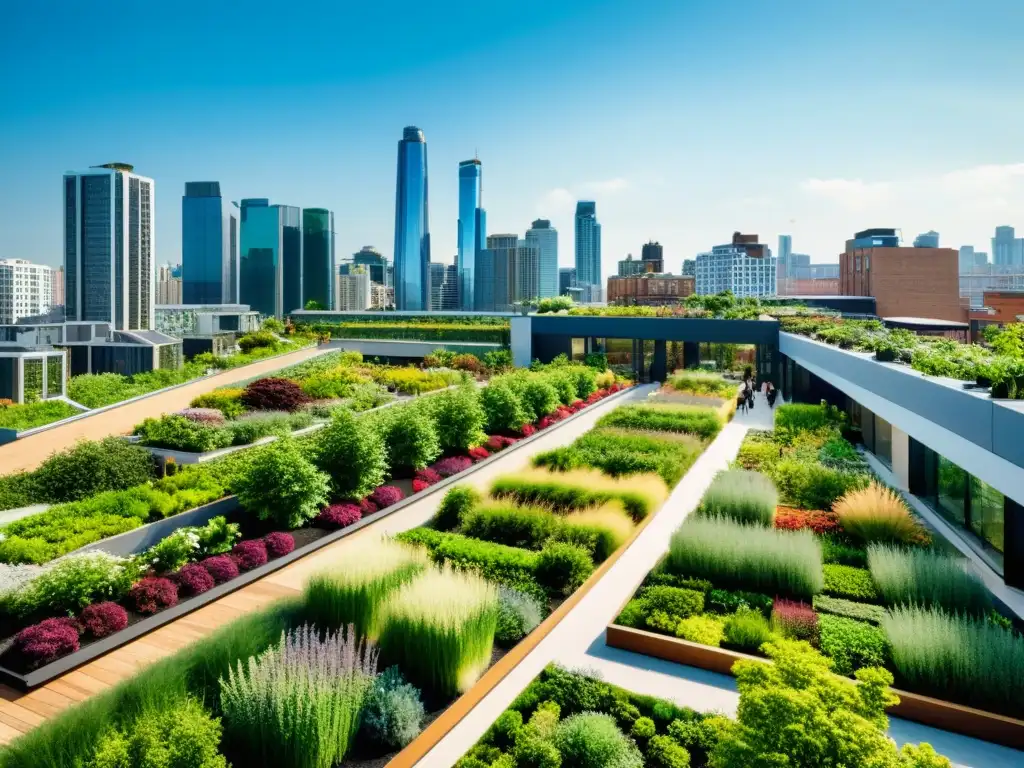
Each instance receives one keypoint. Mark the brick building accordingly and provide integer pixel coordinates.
(649, 289)
(999, 308)
(905, 282)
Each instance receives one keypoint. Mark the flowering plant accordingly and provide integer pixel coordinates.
(339, 516)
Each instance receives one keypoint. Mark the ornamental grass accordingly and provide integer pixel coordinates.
(608, 525)
(928, 579)
(968, 661)
(298, 705)
(354, 591)
(439, 629)
(696, 420)
(876, 514)
(735, 556)
(741, 495)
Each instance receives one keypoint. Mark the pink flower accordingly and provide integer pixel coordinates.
(279, 544)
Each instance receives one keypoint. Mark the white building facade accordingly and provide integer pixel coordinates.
(731, 268)
(542, 236)
(353, 291)
(26, 290)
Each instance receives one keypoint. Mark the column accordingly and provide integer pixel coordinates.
(521, 340)
(691, 354)
(659, 365)
(901, 458)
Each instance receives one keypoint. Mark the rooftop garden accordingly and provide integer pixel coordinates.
(469, 328)
(22, 416)
(723, 305)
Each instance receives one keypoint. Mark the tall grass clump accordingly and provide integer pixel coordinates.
(599, 530)
(694, 419)
(741, 495)
(969, 661)
(876, 514)
(583, 488)
(735, 556)
(928, 579)
(354, 591)
(702, 383)
(439, 629)
(298, 704)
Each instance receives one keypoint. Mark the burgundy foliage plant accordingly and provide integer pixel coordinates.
(152, 594)
(452, 465)
(250, 554)
(274, 394)
(367, 507)
(478, 453)
(795, 619)
(386, 495)
(428, 476)
(527, 429)
(193, 579)
(339, 515)
(48, 640)
(279, 544)
(102, 619)
(221, 567)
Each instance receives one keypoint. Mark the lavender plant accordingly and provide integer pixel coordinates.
(298, 704)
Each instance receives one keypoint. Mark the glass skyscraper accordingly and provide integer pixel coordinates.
(209, 245)
(374, 262)
(108, 247)
(588, 245)
(542, 236)
(470, 191)
(318, 262)
(412, 229)
(291, 257)
(260, 265)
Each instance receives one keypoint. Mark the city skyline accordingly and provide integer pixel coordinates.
(655, 171)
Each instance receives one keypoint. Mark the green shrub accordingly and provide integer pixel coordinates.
(620, 452)
(746, 630)
(663, 752)
(506, 565)
(837, 606)
(809, 485)
(593, 740)
(283, 485)
(255, 426)
(847, 581)
(851, 644)
(459, 418)
(538, 396)
(677, 602)
(518, 615)
(582, 489)
(353, 454)
(834, 550)
(793, 418)
(393, 713)
(734, 555)
(695, 420)
(457, 504)
(957, 658)
(29, 415)
(527, 527)
(726, 601)
(706, 630)
(503, 407)
(18, 490)
(599, 530)
(228, 401)
(173, 551)
(563, 567)
(702, 383)
(742, 496)
(91, 467)
(181, 434)
(928, 579)
(643, 728)
(73, 583)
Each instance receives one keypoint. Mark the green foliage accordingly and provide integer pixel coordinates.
(593, 740)
(409, 435)
(852, 644)
(459, 418)
(807, 484)
(92, 467)
(503, 407)
(837, 606)
(283, 485)
(249, 429)
(742, 496)
(228, 401)
(563, 567)
(538, 396)
(353, 454)
(726, 601)
(663, 752)
(20, 417)
(181, 434)
(835, 550)
(957, 658)
(456, 506)
(793, 418)
(674, 601)
(734, 555)
(572, 493)
(498, 360)
(695, 420)
(18, 490)
(702, 383)
(706, 630)
(928, 579)
(393, 713)
(173, 551)
(747, 630)
(847, 581)
(73, 583)
(518, 615)
(506, 565)
(527, 527)
(554, 304)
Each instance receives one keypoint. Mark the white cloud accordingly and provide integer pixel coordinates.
(850, 193)
(556, 202)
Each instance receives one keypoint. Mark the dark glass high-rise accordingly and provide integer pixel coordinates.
(209, 245)
(412, 230)
(318, 257)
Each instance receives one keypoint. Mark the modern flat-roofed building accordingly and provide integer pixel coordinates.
(26, 290)
(744, 266)
(649, 288)
(209, 246)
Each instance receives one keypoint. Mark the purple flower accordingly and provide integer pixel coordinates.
(221, 567)
(386, 495)
(279, 544)
(102, 619)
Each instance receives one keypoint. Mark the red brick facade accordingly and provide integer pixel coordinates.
(649, 289)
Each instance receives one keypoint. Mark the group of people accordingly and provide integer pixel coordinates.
(745, 398)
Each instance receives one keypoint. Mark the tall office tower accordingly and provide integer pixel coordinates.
(526, 271)
(318, 261)
(445, 284)
(470, 194)
(58, 287)
(566, 280)
(355, 290)
(653, 257)
(744, 266)
(588, 245)
(970, 258)
(26, 290)
(784, 268)
(108, 247)
(292, 259)
(168, 287)
(1007, 249)
(495, 283)
(412, 227)
(209, 245)
(929, 239)
(689, 268)
(544, 238)
(270, 263)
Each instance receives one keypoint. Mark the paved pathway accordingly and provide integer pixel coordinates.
(19, 712)
(29, 452)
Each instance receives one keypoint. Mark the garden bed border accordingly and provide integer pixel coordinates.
(958, 718)
(44, 674)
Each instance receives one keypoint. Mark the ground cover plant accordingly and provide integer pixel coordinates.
(23, 416)
(695, 420)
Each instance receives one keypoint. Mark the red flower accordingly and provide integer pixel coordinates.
(478, 453)
(152, 594)
(527, 429)
(102, 619)
(339, 516)
(250, 554)
(193, 579)
(221, 567)
(48, 640)
(279, 544)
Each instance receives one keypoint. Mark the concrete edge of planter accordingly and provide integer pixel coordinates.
(44, 674)
(988, 726)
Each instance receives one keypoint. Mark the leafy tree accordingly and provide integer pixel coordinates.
(459, 418)
(314, 306)
(353, 453)
(410, 435)
(282, 484)
(273, 325)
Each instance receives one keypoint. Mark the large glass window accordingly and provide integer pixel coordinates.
(987, 513)
(952, 491)
(883, 441)
(54, 376)
(33, 379)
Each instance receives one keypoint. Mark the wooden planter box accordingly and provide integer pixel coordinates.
(957, 718)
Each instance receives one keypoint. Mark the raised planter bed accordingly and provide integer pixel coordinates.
(989, 726)
(134, 541)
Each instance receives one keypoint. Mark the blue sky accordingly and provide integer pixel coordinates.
(685, 120)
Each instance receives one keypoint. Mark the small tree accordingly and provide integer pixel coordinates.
(281, 484)
(503, 408)
(411, 436)
(353, 453)
(459, 418)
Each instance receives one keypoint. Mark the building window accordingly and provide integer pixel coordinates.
(883, 441)
(987, 506)
(54, 376)
(33, 379)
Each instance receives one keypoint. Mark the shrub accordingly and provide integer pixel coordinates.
(793, 418)
(46, 641)
(478, 453)
(789, 519)
(209, 416)
(834, 550)
(282, 485)
(734, 555)
(741, 495)
(367, 507)
(279, 544)
(459, 418)
(354, 593)
(193, 579)
(674, 601)
(725, 601)
(847, 581)
(518, 615)
(852, 644)
(221, 567)
(393, 713)
(539, 397)
(298, 705)
(599, 530)
(810, 485)
(90, 468)
(663, 752)
(73, 583)
(876, 514)
(515, 526)
(795, 620)
(695, 420)
(427, 476)
(456, 505)
(249, 554)
(837, 606)
(452, 465)
(410, 436)
(623, 452)
(593, 740)
(173, 551)
(386, 495)
(497, 443)
(706, 630)
(102, 619)
(502, 406)
(228, 401)
(928, 579)
(153, 594)
(251, 427)
(702, 383)
(497, 562)
(339, 516)
(746, 630)
(353, 454)
(179, 433)
(217, 536)
(957, 658)
(563, 567)
(274, 394)
(439, 628)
